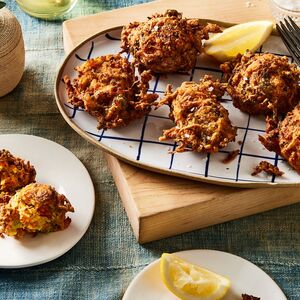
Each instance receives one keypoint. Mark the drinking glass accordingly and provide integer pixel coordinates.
(283, 8)
(46, 9)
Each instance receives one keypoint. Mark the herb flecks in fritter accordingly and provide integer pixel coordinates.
(36, 208)
(166, 42)
(202, 123)
(15, 173)
(107, 88)
(262, 83)
(284, 137)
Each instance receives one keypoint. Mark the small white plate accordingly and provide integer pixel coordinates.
(57, 166)
(246, 278)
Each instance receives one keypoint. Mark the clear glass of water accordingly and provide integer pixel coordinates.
(46, 9)
(284, 8)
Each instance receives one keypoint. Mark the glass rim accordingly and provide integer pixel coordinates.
(283, 8)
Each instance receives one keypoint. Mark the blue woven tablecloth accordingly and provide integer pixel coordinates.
(107, 258)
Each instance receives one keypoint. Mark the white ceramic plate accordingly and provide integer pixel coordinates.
(246, 278)
(138, 143)
(57, 166)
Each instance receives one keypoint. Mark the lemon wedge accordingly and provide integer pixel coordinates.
(237, 39)
(191, 282)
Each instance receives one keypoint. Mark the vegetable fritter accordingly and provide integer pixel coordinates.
(202, 123)
(15, 173)
(262, 83)
(107, 88)
(33, 209)
(166, 42)
(284, 137)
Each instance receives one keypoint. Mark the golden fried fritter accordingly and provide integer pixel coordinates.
(15, 173)
(262, 83)
(202, 123)
(33, 209)
(107, 88)
(284, 138)
(166, 43)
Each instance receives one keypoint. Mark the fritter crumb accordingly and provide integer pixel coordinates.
(268, 168)
(107, 88)
(249, 297)
(33, 209)
(262, 83)
(202, 123)
(231, 156)
(15, 173)
(166, 42)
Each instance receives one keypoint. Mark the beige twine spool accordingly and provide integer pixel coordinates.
(12, 52)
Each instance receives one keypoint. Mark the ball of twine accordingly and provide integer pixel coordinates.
(12, 53)
(9, 27)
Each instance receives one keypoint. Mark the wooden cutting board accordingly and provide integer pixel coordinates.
(158, 205)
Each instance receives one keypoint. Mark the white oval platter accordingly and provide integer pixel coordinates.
(138, 143)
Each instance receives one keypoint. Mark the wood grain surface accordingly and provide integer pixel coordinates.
(158, 205)
(232, 11)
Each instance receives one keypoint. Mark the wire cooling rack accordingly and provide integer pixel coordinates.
(138, 143)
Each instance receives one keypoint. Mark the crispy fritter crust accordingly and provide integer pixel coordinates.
(271, 139)
(33, 209)
(202, 123)
(284, 138)
(15, 173)
(262, 83)
(267, 167)
(107, 88)
(166, 42)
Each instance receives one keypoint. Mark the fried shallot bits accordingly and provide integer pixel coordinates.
(107, 88)
(262, 83)
(166, 42)
(202, 123)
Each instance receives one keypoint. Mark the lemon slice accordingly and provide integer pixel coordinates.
(237, 39)
(191, 282)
